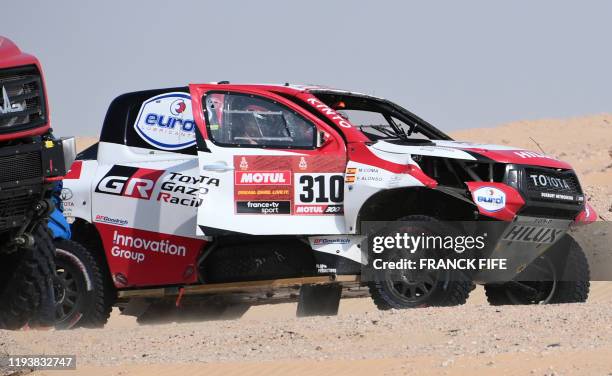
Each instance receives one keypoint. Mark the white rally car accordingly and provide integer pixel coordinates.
(258, 193)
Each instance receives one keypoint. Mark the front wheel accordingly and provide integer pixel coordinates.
(565, 279)
(80, 293)
(401, 289)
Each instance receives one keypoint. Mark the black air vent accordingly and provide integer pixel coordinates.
(22, 101)
(20, 167)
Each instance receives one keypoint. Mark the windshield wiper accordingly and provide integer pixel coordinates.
(399, 129)
(384, 130)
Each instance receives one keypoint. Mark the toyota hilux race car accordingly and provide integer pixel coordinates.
(219, 194)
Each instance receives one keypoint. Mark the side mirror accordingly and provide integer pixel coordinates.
(322, 138)
(69, 148)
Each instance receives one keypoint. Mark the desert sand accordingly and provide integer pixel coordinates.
(472, 339)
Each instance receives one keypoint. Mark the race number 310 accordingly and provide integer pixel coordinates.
(324, 188)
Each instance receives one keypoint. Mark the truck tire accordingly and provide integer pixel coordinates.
(428, 289)
(81, 297)
(570, 282)
(26, 295)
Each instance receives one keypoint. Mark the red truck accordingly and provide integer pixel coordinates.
(32, 161)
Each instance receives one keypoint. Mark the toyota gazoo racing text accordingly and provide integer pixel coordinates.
(220, 194)
(31, 162)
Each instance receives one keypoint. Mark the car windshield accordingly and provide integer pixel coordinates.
(378, 126)
(379, 118)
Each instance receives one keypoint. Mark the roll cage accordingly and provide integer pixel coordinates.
(353, 101)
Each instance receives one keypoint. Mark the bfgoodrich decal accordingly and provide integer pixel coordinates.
(113, 221)
(166, 121)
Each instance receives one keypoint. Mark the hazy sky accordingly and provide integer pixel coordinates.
(457, 64)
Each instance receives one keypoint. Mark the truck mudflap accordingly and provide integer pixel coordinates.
(522, 241)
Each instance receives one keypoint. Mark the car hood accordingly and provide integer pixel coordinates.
(470, 151)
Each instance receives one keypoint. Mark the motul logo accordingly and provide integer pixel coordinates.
(263, 178)
(309, 209)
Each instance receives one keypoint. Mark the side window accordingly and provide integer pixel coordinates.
(247, 120)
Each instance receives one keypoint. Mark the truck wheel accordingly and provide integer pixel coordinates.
(27, 293)
(567, 279)
(407, 289)
(81, 298)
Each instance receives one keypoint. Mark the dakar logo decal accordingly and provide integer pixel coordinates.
(244, 164)
(166, 121)
(303, 165)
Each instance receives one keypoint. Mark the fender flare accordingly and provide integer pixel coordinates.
(389, 204)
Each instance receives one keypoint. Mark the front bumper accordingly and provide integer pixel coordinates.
(520, 242)
(27, 172)
(532, 192)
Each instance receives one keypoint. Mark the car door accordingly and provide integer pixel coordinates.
(268, 166)
(145, 190)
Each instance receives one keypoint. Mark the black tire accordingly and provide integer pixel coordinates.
(81, 297)
(26, 295)
(496, 295)
(441, 289)
(570, 282)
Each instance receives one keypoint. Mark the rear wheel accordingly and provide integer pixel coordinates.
(417, 288)
(564, 272)
(81, 297)
(26, 294)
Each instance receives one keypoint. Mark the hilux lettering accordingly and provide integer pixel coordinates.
(532, 234)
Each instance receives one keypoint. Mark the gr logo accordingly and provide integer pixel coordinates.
(129, 181)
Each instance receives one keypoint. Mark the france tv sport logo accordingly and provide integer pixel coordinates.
(490, 199)
(166, 121)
